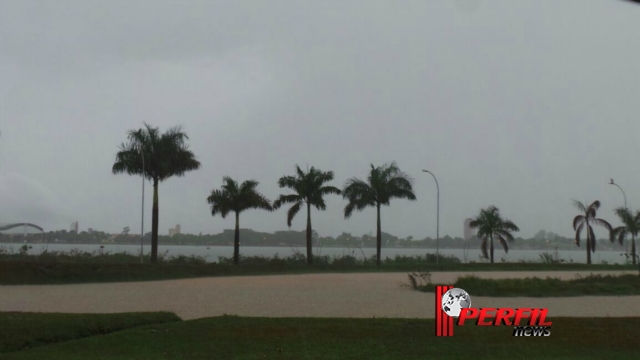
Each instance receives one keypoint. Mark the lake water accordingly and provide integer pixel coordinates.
(214, 252)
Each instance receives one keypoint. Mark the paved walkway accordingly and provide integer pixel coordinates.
(309, 295)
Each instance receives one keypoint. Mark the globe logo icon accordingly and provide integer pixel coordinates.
(454, 300)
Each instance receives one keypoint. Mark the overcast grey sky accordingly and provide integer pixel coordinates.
(519, 104)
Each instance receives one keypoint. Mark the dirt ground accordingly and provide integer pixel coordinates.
(309, 295)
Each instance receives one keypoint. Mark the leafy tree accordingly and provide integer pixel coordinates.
(165, 155)
(541, 235)
(383, 184)
(631, 227)
(234, 198)
(125, 230)
(309, 190)
(490, 224)
(585, 222)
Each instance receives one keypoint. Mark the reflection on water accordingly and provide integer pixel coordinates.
(211, 253)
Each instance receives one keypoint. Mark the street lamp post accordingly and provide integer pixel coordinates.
(437, 218)
(142, 221)
(625, 206)
(623, 194)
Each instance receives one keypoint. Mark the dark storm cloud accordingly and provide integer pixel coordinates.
(521, 104)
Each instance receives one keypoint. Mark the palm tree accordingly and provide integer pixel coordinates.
(490, 224)
(165, 155)
(309, 189)
(234, 198)
(631, 226)
(383, 184)
(586, 221)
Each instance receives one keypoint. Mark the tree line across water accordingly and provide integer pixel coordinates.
(158, 156)
(541, 241)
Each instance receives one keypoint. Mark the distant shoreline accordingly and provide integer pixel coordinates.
(298, 246)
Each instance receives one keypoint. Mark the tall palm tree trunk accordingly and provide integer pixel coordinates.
(236, 241)
(154, 224)
(309, 245)
(633, 249)
(588, 246)
(378, 239)
(491, 248)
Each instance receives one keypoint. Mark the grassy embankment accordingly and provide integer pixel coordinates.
(628, 284)
(231, 337)
(20, 331)
(83, 267)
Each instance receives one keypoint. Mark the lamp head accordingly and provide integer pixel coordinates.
(611, 182)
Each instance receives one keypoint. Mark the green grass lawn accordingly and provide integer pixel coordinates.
(231, 337)
(16, 272)
(545, 287)
(19, 331)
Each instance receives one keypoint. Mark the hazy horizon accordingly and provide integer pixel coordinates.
(520, 104)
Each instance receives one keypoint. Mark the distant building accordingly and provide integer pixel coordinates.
(468, 232)
(74, 227)
(175, 230)
(90, 230)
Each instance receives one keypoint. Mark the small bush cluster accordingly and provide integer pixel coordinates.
(550, 287)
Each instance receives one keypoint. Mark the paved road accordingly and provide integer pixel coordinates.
(311, 295)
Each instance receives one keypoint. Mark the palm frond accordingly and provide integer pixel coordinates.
(128, 160)
(402, 194)
(509, 225)
(400, 181)
(624, 214)
(505, 234)
(220, 203)
(620, 233)
(504, 243)
(475, 223)
(359, 194)
(169, 153)
(374, 175)
(356, 188)
(580, 219)
(326, 190)
(361, 203)
(321, 177)
(229, 185)
(318, 203)
(292, 212)
(248, 186)
(389, 170)
(595, 205)
(603, 223)
(348, 210)
(286, 199)
(492, 211)
(288, 182)
(578, 231)
(580, 206)
(259, 201)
